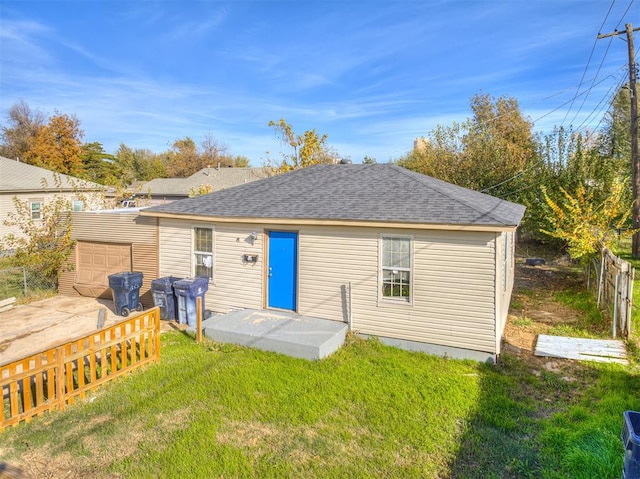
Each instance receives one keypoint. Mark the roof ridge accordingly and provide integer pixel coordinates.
(407, 172)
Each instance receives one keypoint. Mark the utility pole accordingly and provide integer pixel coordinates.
(635, 161)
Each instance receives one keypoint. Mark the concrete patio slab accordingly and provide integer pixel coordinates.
(29, 328)
(277, 331)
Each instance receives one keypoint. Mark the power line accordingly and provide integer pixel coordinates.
(586, 67)
(572, 99)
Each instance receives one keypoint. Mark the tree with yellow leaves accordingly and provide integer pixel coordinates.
(58, 146)
(307, 149)
(586, 225)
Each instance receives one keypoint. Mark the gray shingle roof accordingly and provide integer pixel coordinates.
(219, 179)
(16, 177)
(380, 193)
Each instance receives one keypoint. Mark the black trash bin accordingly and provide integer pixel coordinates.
(631, 443)
(187, 291)
(164, 298)
(125, 289)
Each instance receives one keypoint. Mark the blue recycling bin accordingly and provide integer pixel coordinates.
(187, 291)
(631, 442)
(125, 290)
(164, 297)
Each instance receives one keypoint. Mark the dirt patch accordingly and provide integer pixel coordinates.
(535, 310)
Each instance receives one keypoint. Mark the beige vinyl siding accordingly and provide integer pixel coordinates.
(453, 277)
(504, 281)
(176, 244)
(119, 228)
(236, 284)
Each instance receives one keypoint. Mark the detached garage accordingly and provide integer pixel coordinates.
(110, 242)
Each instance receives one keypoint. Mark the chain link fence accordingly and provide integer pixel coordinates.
(25, 283)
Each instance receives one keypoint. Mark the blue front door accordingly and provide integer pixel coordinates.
(282, 270)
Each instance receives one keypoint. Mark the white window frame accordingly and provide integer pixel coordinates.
(77, 205)
(36, 214)
(382, 268)
(199, 256)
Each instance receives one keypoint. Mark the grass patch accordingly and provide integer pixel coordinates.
(523, 322)
(369, 410)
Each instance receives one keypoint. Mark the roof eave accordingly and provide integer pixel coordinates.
(331, 222)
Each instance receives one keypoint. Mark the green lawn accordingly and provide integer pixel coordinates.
(369, 410)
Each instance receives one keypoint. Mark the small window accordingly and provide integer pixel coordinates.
(203, 252)
(396, 268)
(36, 210)
(78, 205)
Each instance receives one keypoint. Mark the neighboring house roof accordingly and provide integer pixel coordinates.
(18, 177)
(350, 192)
(218, 178)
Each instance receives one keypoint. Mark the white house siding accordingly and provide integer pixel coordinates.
(93, 201)
(453, 285)
(6, 206)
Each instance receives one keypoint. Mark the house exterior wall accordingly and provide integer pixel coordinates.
(93, 201)
(505, 276)
(236, 284)
(122, 227)
(454, 281)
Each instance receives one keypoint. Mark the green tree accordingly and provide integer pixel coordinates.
(487, 152)
(19, 132)
(240, 161)
(307, 149)
(99, 166)
(616, 140)
(569, 161)
(138, 165)
(58, 146)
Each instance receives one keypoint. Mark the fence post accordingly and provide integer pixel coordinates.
(600, 283)
(60, 386)
(632, 277)
(615, 305)
(156, 318)
(24, 280)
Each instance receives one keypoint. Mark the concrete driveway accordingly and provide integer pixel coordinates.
(33, 327)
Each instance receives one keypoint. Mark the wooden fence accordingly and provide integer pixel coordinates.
(53, 378)
(615, 291)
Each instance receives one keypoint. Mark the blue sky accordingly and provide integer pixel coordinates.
(373, 75)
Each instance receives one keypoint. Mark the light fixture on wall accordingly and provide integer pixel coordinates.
(252, 237)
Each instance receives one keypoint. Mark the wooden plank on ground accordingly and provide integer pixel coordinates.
(601, 350)
(7, 304)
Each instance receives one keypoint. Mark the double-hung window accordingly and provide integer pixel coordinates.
(396, 267)
(78, 205)
(36, 209)
(203, 252)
